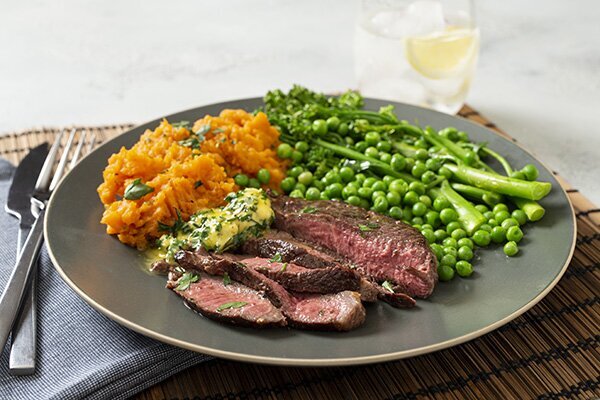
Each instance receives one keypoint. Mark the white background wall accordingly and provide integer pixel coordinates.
(97, 62)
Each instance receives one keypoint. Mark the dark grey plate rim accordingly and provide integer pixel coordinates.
(343, 361)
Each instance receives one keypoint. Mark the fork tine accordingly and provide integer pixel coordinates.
(92, 142)
(78, 150)
(63, 161)
(46, 173)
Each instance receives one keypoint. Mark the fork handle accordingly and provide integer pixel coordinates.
(23, 343)
(15, 288)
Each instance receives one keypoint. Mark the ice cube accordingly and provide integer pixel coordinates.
(420, 18)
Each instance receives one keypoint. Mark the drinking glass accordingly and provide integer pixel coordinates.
(422, 52)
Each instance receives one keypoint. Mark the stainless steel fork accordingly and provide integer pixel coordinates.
(23, 348)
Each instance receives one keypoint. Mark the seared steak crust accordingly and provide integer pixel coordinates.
(380, 247)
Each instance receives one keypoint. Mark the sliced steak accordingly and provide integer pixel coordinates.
(304, 280)
(233, 303)
(341, 311)
(292, 250)
(380, 247)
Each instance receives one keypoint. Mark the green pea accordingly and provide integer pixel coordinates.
(264, 176)
(347, 174)
(486, 227)
(452, 226)
(287, 184)
(465, 242)
(416, 221)
(353, 200)
(334, 191)
(312, 193)
(398, 186)
(241, 180)
(498, 234)
(493, 223)
(511, 249)
(384, 146)
(419, 209)
(349, 191)
(319, 126)
(297, 194)
(449, 133)
(421, 154)
(372, 152)
(407, 213)
(440, 203)
(520, 216)
(450, 242)
(437, 250)
(448, 215)
(465, 253)
(361, 146)
(387, 179)
(333, 123)
(324, 196)
(319, 184)
(488, 215)
(481, 208)
(518, 175)
(297, 156)
(385, 157)
(458, 233)
(451, 251)
(463, 136)
(433, 218)
(365, 192)
(440, 235)
(284, 151)
(530, 171)
(395, 212)
(305, 178)
(500, 207)
(372, 138)
(449, 260)
(425, 200)
(379, 185)
(343, 128)
(428, 177)
(380, 204)
(300, 187)
(417, 187)
(360, 178)
(369, 182)
(398, 162)
(364, 203)
(393, 198)
(514, 234)
(482, 238)
(410, 198)
(500, 216)
(445, 172)
(464, 269)
(377, 193)
(410, 162)
(420, 143)
(301, 146)
(445, 273)
(433, 164)
(332, 177)
(254, 183)
(294, 172)
(349, 141)
(428, 235)
(426, 226)
(418, 170)
(508, 222)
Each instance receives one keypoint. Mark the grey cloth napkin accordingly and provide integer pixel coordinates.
(81, 353)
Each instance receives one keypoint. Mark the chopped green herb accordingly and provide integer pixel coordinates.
(177, 225)
(186, 280)
(181, 124)
(192, 142)
(233, 304)
(219, 130)
(204, 129)
(387, 285)
(368, 227)
(226, 279)
(372, 225)
(276, 258)
(136, 190)
(284, 267)
(197, 184)
(309, 210)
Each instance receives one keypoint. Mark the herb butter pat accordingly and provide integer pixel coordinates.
(248, 213)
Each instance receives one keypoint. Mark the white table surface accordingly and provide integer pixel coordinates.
(97, 62)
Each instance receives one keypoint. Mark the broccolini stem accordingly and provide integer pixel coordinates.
(507, 168)
(500, 184)
(532, 209)
(469, 217)
(490, 198)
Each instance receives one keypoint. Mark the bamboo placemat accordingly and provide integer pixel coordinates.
(550, 352)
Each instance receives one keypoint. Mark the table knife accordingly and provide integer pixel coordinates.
(23, 347)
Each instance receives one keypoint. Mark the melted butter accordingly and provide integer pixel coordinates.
(248, 213)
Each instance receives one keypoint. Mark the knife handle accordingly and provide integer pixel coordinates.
(23, 343)
(15, 288)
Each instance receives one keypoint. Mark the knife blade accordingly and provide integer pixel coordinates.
(23, 348)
